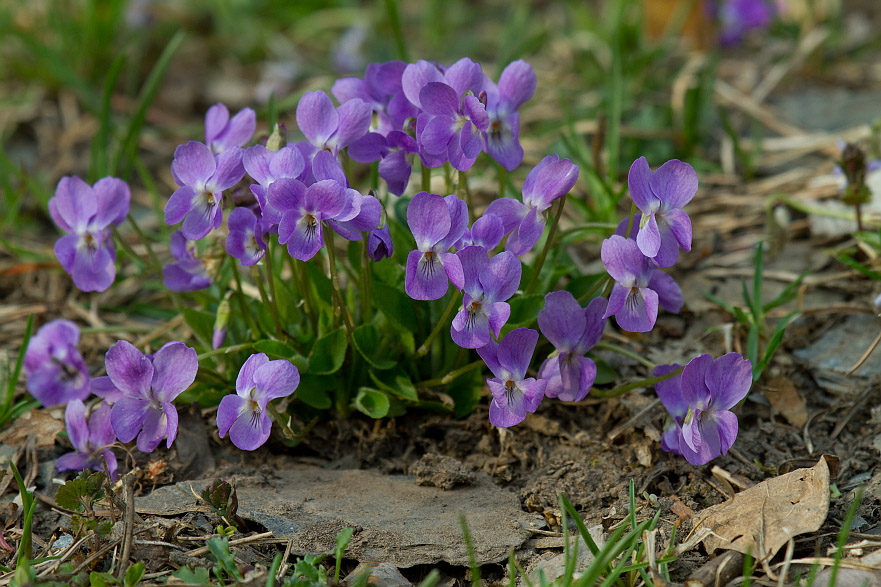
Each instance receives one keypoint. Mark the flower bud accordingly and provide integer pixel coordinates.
(277, 139)
(220, 321)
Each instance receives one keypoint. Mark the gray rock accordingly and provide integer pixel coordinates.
(395, 520)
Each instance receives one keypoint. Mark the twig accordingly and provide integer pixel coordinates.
(129, 520)
(255, 538)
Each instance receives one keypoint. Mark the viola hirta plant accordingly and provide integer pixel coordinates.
(361, 318)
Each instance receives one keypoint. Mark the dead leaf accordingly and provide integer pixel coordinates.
(36, 424)
(785, 399)
(761, 519)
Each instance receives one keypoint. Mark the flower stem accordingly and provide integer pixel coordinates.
(365, 283)
(258, 278)
(630, 220)
(548, 242)
(625, 352)
(305, 292)
(622, 389)
(271, 279)
(449, 377)
(255, 331)
(597, 286)
(157, 265)
(426, 178)
(424, 348)
(502, 180)
(341, 308)
(226, 350)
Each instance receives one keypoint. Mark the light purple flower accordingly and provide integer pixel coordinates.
(573, 331)
(738, 17)
(513, 393)
(436, 223)
(663, 227)
(548, 181)
(265, 166)
(223, 133)
(463, 76)
(706, 390)
(488, 283)
(246, 239)
(86, 214)
(516, 86)
(148, 385)
(304, 212)
(188, 273)
(91, 441)
(487, 232)
(393, 152)
(329, 127)
(670, 393)
(382, 89)
(379, 244)
(453, 124)
(203, 178)
(55, 370)
(244, 415)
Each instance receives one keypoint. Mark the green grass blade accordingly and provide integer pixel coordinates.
(469, 546)
(16, 372)
(124, 157)
(758, 276)
(773, 343)
(100, 160)
(579, 523)
(788, 294)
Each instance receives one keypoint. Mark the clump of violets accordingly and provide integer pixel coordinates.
(502, 137)
(54, 367)
(91, 440)
(146, 386)
(88, 214)
(699, 401)
(573, 331)
(243, 414)
(513, 393)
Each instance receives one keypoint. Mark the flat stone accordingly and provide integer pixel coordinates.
(395, 520)
(837, 350)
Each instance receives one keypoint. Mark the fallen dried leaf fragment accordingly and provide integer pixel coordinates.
(761, 519)
(785, 399)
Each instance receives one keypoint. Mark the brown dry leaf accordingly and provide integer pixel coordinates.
(785, 398)
(37, 424)
(761, 519)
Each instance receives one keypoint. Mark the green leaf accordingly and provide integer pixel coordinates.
(275, 349)
(97, 579)
(322, 287)
(524, 310)
(202, 323)
(466, 392)
(584, 283)
(395, 305)
(134, 574)
(199, 575)
(395, 382)
(12, 380)
(328, 353)
(773, 343)
(788, 294)
(605, 372)
(371, 402)
(312, 390)
(366, 341)
(82, 490)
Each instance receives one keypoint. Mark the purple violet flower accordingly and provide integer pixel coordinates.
(488, 283)
(632, 302)
(393, 152)
(382, 89)
(244, 415)
(86, 213)
(513, 393)
(223, 133)
(548, 181)
(487, 232)
(148, 386)
(202, 178)
(670, 393)
(516, 86)
(436, 223)
(265, 166)
(329, 127)
(700, 400)
(304, 212)
(91, 441)
(246, 239)
(452, 125)
(738, 17)
(55, 370)
(189, 273)
(379, 244)
(573, 331)
(663, 227)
